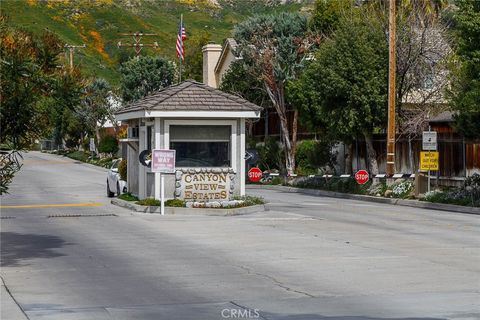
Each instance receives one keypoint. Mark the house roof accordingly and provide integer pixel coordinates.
(189, 96)
(446, 116)
(230, 44)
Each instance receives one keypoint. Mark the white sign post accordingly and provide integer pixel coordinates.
(163, 161)
(429, 143)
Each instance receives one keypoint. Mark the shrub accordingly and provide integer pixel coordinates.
(402, 189)
(467, 195)
(122, 169)
(175, 203)
(336, 184)
(78, 155)
(128, 197)
(149, 202)
(108, 144)
(271, 155)
(250, 200)
(311, 155)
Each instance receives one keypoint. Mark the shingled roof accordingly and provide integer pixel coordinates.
(190, 96)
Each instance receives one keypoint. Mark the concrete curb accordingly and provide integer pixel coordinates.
(399, 202)
(189, 211)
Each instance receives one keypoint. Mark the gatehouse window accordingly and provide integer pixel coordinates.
(201, 145)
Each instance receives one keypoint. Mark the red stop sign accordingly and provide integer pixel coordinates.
(361, 176)
(254, 174)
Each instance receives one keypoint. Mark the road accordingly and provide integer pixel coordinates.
(68, 254)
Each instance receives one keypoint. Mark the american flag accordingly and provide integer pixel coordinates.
(180, 37)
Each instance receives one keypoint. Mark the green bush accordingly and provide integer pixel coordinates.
(108, 144)
(149, 202)
(402, 189)
(250, 200)
(271, 155)
(128, 197)
(157, 203)
(311, 155)
(78, 155)
(336, 184)
(175, 203)
(122, 169)
(467, 195)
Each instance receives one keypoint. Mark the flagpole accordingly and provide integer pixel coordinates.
(180, 56)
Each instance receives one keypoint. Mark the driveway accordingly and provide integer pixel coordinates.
(69, 254)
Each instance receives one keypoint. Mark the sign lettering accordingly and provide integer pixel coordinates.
(429, 161)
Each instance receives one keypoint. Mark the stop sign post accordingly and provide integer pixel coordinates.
(255, 174)
(361, 176)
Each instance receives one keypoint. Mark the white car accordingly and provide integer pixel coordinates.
(115, 185)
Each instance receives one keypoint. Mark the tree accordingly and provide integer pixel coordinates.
(95, 105)
(274, 48)
(327, 14)
(67, 94)
(239, 81)
(29, 70)
(194, 56)
(344, 90)
(21, 80)
(465, 88)
(143, 75)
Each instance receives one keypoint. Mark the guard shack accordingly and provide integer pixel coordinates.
(205, 126)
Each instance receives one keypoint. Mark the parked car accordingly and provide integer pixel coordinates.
(115, 185)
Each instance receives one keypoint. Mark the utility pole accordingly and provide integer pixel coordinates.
(137, 37)
(391, 130)
(71, 49)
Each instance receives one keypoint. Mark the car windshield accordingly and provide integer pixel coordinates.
(115, 164)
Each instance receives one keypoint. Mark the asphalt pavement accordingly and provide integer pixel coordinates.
(68, 254)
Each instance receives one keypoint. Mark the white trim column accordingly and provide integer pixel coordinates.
(157, 146)
(142, 172)
(242, 157)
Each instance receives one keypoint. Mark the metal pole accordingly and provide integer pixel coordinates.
(429, 157)
(464, 151)
(180, 57)
(162, 194)
(391, 91)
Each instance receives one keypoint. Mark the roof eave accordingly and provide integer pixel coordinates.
(255, 114)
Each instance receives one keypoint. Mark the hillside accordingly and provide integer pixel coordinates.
(98, 24)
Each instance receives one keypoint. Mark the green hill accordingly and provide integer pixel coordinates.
(99, 23)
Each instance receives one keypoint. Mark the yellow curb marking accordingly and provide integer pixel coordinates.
(60, 205)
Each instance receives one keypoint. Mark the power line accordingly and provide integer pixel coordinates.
(137, 37)
(71, 49)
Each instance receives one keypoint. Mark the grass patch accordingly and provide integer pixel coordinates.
(127, 197)
(149, 202)
(175, 203)
(250, 201)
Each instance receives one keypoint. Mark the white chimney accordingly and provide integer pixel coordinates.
(211, 54)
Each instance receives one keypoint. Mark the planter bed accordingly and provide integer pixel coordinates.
(182, 210)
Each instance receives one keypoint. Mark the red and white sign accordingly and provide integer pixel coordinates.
(163, 161)
(255, 174)
(361, 176)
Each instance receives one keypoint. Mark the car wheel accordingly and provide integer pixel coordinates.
(109, 193)
(118, 189)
